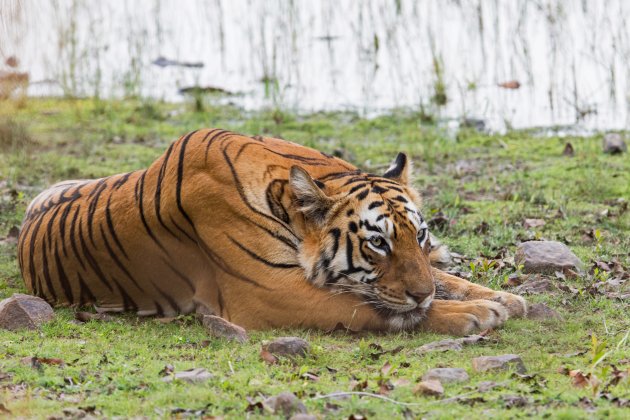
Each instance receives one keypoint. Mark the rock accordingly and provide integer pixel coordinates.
(220, 328)
(542, 312)
(190, 375)
(429, 387)
(514, 401)
(533, 223)
(535, 287)
(24, 311)
(613, 143)
(287, 346)
(446, 375)
(455, 344)
(503, 362)
(546, 257)
(285, 403)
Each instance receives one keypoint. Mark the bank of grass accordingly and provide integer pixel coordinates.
(470, 178)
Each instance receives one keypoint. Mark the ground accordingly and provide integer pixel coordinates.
(478, 190)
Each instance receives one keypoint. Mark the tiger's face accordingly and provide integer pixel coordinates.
(365, 235)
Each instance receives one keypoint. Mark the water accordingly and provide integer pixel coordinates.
(570, 57)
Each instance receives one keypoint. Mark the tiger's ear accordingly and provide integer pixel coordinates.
(400, 170)
(310, 199)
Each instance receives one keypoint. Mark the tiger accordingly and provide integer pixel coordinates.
(262, 232)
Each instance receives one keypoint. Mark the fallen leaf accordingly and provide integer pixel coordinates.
(580, 380)
(36, 362)
(618, 376)
(310, 376)
(359, 386)
(511, 84)
(267, 357)
(386, 368)
(378, 350)
(4, 410)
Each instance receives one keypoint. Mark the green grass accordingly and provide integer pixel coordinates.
(471, 178)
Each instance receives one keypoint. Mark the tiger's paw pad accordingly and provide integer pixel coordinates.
(515, 305)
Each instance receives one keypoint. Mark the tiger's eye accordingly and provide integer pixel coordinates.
(377, 241)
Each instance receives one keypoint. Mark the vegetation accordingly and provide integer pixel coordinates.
(478, 189)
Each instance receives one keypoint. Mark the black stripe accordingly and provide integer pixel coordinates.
(375, 204)
(62, 228)
(158, 191)
(117, 260)
(47, 277)
(85, 294)
(73, 242)
(361, 196)
(168, 298)
(356, 188)
(180, 179)
(63, 279)
(215, 137)
(261, 259)
(110, 227)
(142, 217)
(95, 194)
(241, 192)
(92, 261)
(225, 267)
(122, 180)
(51, 222)
(180, 275)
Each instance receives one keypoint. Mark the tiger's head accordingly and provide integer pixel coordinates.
(364, 234)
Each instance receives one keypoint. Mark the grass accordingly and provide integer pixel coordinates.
(113, 368)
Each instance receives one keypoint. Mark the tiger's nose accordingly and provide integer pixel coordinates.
(417, 296)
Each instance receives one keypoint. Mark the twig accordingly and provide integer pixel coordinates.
(381, 397)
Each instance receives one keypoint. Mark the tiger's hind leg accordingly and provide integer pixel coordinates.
(449, 287)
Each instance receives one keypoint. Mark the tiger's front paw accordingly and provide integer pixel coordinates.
(463, 318)
(515, 305)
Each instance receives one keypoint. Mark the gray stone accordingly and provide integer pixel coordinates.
(546, 257)
(24, 311)
(287, 346)
(429, 387)
(220, 328)
(613, 143)
(535, 286)
(190, 375)
(455, 344)
(285, 403)
(446, 375)
(542, 312)
(503, 362)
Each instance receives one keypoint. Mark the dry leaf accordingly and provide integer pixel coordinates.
(512, 84)
(267, 357)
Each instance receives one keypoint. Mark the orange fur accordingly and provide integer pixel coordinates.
(252, 229)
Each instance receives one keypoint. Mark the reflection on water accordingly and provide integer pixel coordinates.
(507, 62)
